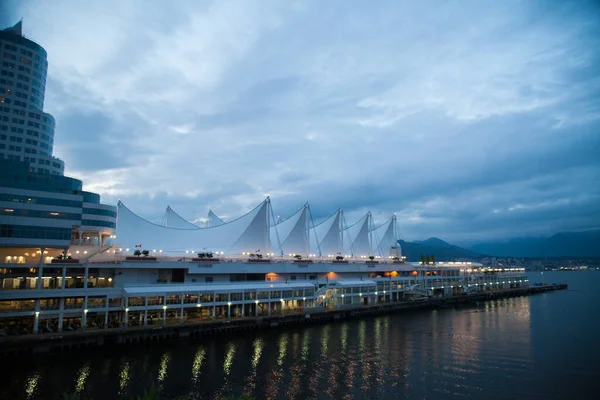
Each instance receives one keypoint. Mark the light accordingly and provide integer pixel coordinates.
(85, 311)
(342, 296)
(360, 294)
(375, 293)
(54, 213)
(154, 250)
(110, 279)
(229, 303)
(198, 305)
(37, 313)
(164, 307)
(127, 249)
(255, 301)
(304, 298)
(187, 252)
(281, 300)
(9, 210)
(384, 292)
(85, 252)
(160, 251)
(127, 309)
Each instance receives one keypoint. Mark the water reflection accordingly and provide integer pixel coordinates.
(32, 385)
(82, 376)
(162, 371)
(462, 351)
(124, 377)
(197, 365)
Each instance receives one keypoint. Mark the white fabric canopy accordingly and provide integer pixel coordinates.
(174, 220)
(248, 233)
(384, 237)
(326, 237)
(213, 220)
(358, 241)
(291, 235)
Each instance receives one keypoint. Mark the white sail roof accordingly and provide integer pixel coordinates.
(326, 237)
(358, 241)
(384, 237)
(290, 236)
(174, 220)
(213, 220)
(248, 233)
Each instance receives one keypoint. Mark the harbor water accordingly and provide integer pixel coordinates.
(543, 346)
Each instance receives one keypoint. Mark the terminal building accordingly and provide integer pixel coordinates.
(70, 263)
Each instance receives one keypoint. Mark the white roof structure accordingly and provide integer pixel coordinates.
(384, 237)
(254, 232)
(326, 237)
(291, 236)
(249, 233)
(174, 220)
(358, 238)
(213, 220)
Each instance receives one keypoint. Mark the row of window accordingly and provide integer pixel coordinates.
(27, 150)
(28, 53)
(93, 222)
(29, 132)
(19, 103)
(40, 200)
(34, 232)
(24, 78)
(20, 86)
(99, 211)
(16, 212)
(10, 65)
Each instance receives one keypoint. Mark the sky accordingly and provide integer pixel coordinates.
(472, 120)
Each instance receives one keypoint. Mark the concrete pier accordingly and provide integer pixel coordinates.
(65, 341)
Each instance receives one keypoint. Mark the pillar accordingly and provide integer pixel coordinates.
(84, 316)
(36, 319)
(86, 275)
(182, 314)
(64, 275)
(256, 308)
(38, 284)
(214, 316)
(243, 306)
(106, 304)
(61, 313)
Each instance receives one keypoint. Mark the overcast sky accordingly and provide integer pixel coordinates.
(473, 120)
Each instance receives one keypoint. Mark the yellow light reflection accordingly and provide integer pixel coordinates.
(124, 377)
(31, 385)
(229, 359)
(283, 341)
(164, 363)
(197, 365)
(258, 345)
(82, 376)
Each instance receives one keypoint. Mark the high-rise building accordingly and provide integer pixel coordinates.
(26, 131)
(40, 208)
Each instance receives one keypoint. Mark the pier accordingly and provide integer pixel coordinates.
(67, 341)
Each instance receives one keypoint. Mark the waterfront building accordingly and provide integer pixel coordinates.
(68, 263)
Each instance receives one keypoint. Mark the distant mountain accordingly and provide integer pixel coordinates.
(563, 244)
(443, 251)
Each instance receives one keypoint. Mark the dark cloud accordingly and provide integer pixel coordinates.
(478, 120)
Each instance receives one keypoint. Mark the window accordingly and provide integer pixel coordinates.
(312, 277)
(208, 279)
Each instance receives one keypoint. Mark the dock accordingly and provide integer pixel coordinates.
(69, 341)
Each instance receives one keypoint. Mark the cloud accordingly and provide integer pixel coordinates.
(450, 118)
